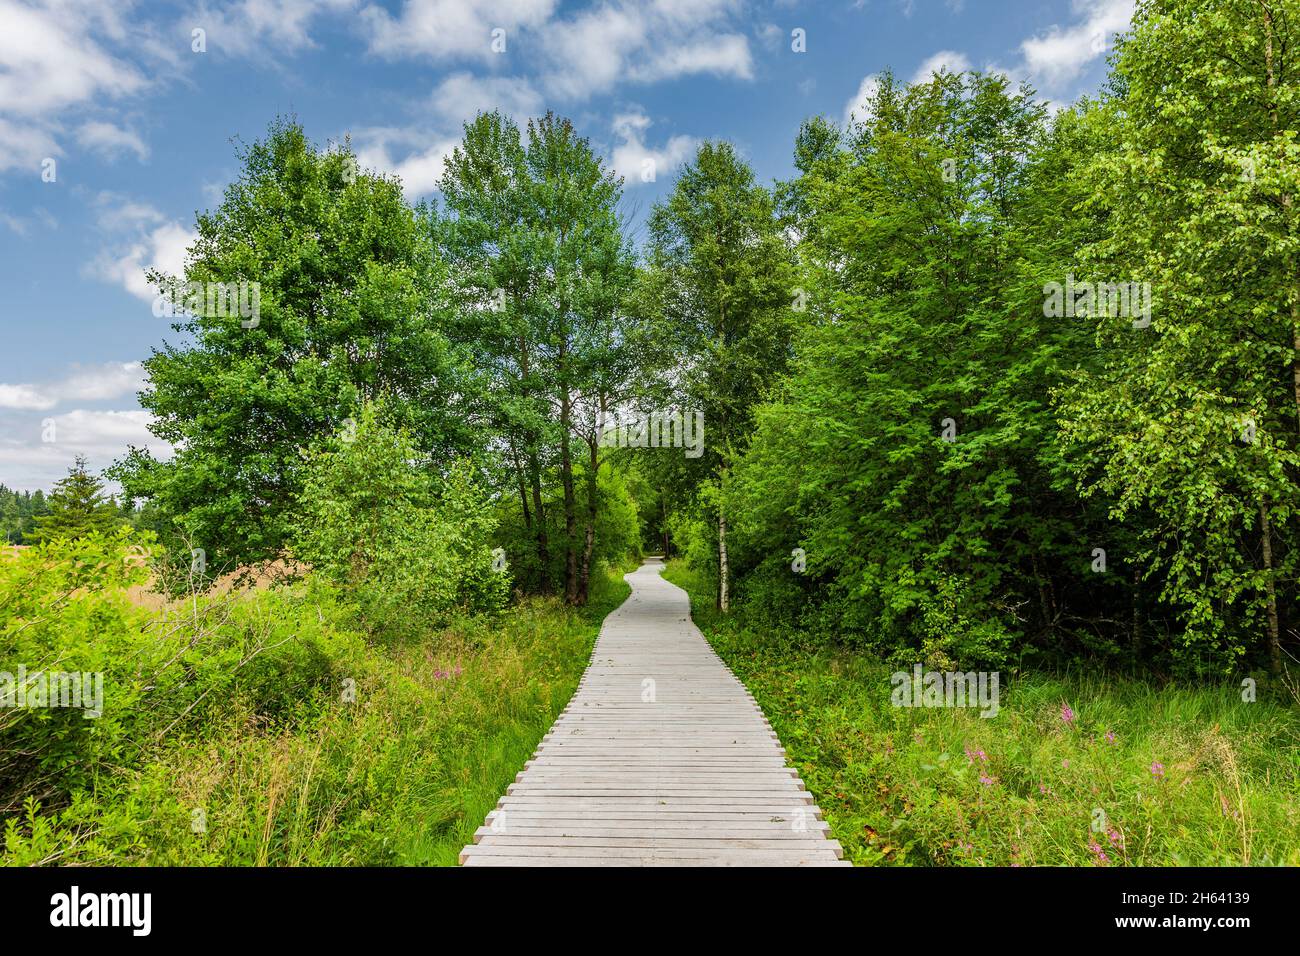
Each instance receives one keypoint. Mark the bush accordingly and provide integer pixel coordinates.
(410, 548)
(262, 731)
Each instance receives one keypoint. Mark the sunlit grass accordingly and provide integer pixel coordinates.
(402, 775)
(1076, 770)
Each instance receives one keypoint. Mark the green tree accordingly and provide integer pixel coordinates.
(1193, 421)
(909, 453)
(77, 507)
(539, 258)
(11, 517)
(348, 308)
(720, 286)
(408, 543)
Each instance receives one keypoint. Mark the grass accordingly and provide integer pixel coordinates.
(1076, 769)
(400, 774)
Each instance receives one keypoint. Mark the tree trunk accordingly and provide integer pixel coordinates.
(589, 546)
(543, 545)
(663, 506)
(724, 583)
(1274, 641)
(523, 488)
(1135, 638)
(570, 499)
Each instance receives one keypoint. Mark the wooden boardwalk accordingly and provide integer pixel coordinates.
(662, 758)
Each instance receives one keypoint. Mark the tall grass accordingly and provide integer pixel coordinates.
(1076, 769)
(338, 751)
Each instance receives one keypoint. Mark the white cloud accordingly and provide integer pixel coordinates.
(462, 96)
(111, 141)
(589, 51)
(139, 238)
(49, 61)
(417, 154)
(26, 397)
(251, 27)
(447, 30)
(71, 57)
(29, 462)
(720, 55)
(96, 383)
(857, 104)
(1056, 57)
(602, 47)
(635, 161)
(23, 145)
(38, 442)
(422, 166)
(949, 60)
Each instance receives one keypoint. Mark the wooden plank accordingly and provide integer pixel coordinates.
(662, 758)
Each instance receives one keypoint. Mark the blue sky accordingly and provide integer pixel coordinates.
(138, 125)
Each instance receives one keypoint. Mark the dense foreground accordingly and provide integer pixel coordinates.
(1074, 770)
(261, 729)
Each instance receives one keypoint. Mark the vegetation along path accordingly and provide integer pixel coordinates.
(662, 758)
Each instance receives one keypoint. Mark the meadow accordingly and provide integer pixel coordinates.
(1078, 768)
(257, 727)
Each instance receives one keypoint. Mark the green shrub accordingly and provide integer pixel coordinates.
(410, 548)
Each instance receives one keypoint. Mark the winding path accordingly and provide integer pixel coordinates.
(662, 758)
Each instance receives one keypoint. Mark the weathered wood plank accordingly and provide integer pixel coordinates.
(662, 758)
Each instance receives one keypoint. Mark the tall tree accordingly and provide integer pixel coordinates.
(77, 506)
(721, 285)
(909, 453)
(1195, 420)
(347, 308)
(537, 248)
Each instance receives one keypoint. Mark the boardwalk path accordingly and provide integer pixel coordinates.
(662, 758)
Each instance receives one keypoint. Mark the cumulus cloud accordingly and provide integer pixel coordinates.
(23, 145)
(1051, 61)
(578, 55)
(949, 60)
(50, 60)
(103, 382)
(138, 238)
(58, 56)
(638, 163)
(643, 43)
(1060, 55)
(462, 96)
(35, 451)
(111, 141)
(250, 27)
(450, 30)
(1055, 58)
(423, 156)
(858, 105)
(40, 434)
